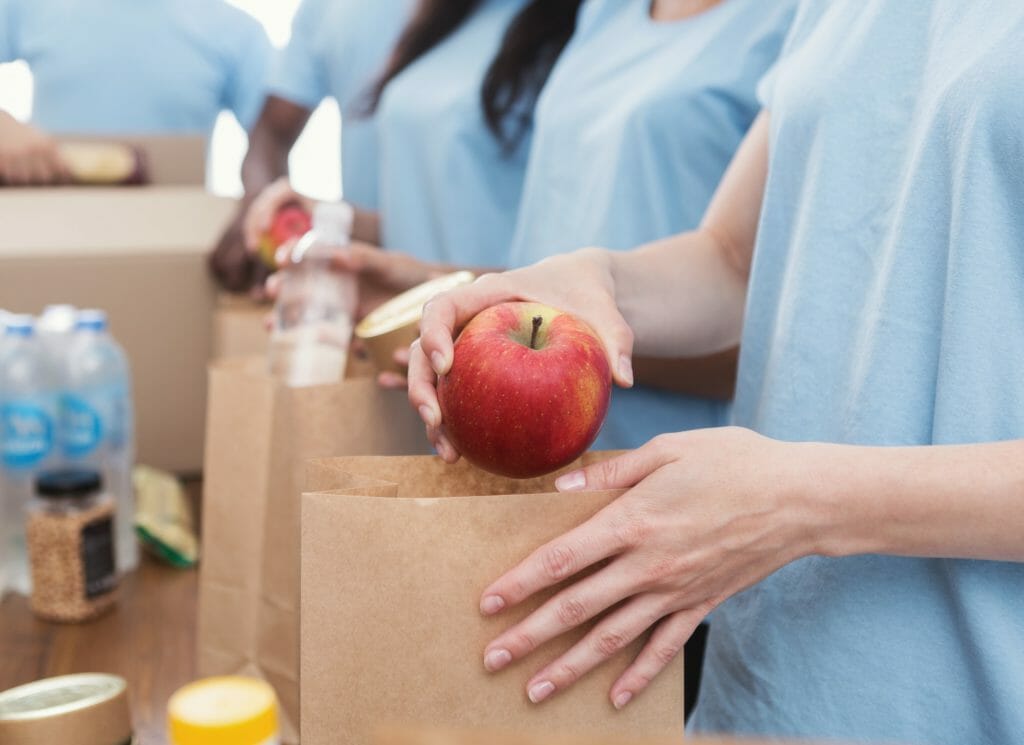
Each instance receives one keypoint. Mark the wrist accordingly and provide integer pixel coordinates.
(602, 264)
(601, 259)
(830, 483)
(366, 226)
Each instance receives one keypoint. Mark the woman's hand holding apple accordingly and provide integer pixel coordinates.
(579, 283)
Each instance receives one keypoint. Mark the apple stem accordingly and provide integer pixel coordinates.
(537, 321)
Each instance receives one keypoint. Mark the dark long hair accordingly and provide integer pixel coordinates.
(531, 46)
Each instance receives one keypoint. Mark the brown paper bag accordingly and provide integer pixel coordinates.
(258, 435)
(410, 736)
(417, 736)
(395, 554)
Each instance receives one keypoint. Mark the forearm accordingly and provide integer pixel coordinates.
(270, 142)
(265, 162)
(366, 226)
(684, 296)
(681, 296)
(950, 501)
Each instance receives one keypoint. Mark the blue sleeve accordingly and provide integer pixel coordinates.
(8, 31)
(247, 79)
(299, 73)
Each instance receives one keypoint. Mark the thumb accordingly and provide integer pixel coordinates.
(611, 328)
(619, 472)
(617, 339)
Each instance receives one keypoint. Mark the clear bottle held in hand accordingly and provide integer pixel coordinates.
(316, 304)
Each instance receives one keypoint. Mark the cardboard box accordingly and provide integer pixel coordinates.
(171, 160)
(140, 254)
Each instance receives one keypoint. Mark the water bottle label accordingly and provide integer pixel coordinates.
(117, 428)
(81, 425)
(27, 434)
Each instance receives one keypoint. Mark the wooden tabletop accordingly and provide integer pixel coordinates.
(149, 639)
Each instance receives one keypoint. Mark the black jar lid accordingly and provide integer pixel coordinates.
(68, 482)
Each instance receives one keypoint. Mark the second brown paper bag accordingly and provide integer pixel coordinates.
(259, 434)
(395, 555)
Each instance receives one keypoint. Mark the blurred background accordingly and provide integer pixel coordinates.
(318, 145)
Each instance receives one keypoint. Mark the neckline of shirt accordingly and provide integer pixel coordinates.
(677, 24)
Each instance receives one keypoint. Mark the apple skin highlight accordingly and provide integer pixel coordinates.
(519, 411)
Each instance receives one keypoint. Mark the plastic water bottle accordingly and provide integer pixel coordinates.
(55, 327)
(315, 307)
(97, 420)
(5, 549)
(28, 430)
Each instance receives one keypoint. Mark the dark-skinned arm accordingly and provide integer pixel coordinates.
(270, 141)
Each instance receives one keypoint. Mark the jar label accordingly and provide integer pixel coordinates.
(27, 434)
(98, 557)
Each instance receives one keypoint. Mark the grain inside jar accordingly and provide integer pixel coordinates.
(70, 535)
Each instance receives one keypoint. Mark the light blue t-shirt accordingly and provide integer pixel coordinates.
(448, 190)
(633, 131)
(137, 66)
(337, 49)
(886, 307)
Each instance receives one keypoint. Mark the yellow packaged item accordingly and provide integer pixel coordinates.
(229, 710)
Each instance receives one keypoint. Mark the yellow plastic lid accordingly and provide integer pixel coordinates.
(223, 711)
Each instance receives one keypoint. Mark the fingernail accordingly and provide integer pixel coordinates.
(571, 481)
(626, 369)
(491, 604)
(497, 659)
(427, 415)
(281, 255)
(622, 699)
(437, 360)
(393, 380)
(541, 691)
(449, 451)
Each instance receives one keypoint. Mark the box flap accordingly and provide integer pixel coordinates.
(101, 221)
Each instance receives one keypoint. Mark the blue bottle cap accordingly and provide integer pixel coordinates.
(19, 325)
(91, 320)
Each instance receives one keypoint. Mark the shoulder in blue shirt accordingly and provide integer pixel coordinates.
(120, 66)
(337, 49)
(449, 191)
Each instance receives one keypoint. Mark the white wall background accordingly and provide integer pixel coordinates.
(314, 160)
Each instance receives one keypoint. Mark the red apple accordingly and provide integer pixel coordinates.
(527, 391)
(291, 221)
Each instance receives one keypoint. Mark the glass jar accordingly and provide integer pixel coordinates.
(70, 536)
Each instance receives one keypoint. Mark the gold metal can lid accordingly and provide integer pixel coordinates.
(84, 709)
(407, 308)
(396, 323)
